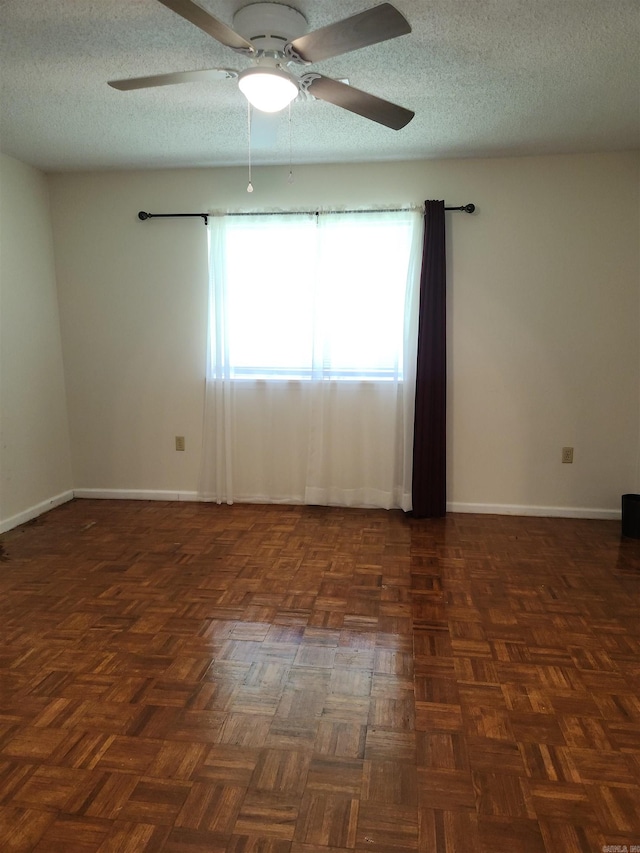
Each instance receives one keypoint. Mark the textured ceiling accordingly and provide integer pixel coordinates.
(485, 78)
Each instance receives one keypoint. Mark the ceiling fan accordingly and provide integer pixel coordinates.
(276, 41)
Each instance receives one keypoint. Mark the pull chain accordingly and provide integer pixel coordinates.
(249, 185)
(290, 178)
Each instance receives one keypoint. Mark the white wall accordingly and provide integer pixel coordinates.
(543, 318)
(35, 460)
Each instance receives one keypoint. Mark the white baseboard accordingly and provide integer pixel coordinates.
(135, 495)
(34, 511)
(157, 495)
(484, 509)
(538, 511)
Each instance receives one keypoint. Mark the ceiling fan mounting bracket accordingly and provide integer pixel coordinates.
(305, 81)
(244, 51)
(292, 55)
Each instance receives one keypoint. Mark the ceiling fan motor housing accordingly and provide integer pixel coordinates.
(269, 26)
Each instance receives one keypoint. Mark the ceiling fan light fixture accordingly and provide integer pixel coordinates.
(268, 89)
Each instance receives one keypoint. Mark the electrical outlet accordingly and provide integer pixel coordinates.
(567, 455)
(179, 442)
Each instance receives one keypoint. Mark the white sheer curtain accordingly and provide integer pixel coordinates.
(311, 358)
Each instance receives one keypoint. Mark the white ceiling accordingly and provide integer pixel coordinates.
(485, 78)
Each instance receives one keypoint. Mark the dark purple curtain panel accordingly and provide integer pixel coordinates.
(429, 485)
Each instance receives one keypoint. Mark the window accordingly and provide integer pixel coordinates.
(329, 301)
(314, 296)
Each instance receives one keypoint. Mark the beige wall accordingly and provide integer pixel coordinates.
(543, 318)
(35, 462)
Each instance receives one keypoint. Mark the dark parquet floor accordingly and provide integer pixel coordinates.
(188, 678)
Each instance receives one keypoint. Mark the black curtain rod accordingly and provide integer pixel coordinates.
(468, 208)
(142, 215)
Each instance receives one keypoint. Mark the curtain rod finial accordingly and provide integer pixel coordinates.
(142, 215)
(469, 208)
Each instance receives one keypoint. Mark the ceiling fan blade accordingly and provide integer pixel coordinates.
(356, 101)
(204, 76)
(370, 27)
(190, 11)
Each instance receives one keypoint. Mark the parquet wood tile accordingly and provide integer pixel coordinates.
(182, 678)
(328, 820)
(448, 831)
(386, 828)
(504, 834)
